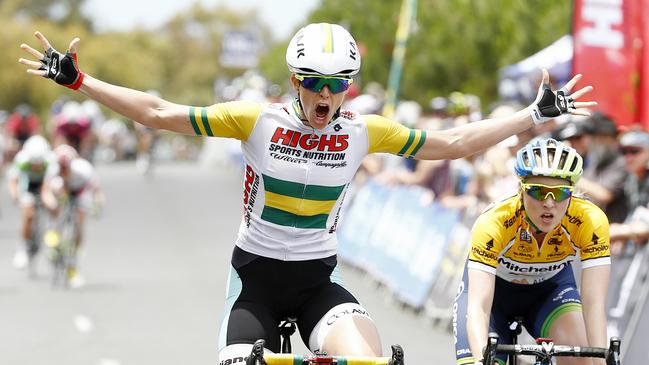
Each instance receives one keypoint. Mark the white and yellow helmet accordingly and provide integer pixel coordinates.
(548, 157)
(323, 50)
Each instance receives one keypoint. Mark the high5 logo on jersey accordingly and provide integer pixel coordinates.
(307, 141)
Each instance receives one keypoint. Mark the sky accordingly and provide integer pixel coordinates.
(282, 15)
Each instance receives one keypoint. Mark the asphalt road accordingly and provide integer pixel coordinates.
(155, 267)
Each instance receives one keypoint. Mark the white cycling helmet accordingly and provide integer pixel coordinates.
(323, 50)
(36, 149)
(65, 154)
(81, 172)
(548, 157)
(72, 112)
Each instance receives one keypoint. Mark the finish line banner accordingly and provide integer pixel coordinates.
(399, 240)
(607, 50)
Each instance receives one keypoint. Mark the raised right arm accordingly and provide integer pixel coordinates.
(139, 106)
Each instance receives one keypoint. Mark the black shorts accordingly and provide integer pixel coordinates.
(263, 291)
(34, 187)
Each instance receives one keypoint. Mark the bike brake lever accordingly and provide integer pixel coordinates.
(397, 355)
(257, 354)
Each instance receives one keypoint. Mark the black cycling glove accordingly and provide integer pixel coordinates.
(62, 68)
(550, 104)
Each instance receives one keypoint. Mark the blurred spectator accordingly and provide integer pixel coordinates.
(369, 102)
(115, 140)
(594, 138)
(635, 148)
(494, 169)
(433, 175)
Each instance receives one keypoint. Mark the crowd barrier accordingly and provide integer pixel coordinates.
(402, 241)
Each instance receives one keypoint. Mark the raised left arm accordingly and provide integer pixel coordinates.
(473, 137)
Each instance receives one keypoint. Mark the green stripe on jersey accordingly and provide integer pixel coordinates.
(206, 122)
(422, 139)
(411, 138)
(284, 218)
(192, 119)
(297, 190)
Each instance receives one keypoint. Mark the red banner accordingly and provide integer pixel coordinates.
(643, 96)
(608, 52)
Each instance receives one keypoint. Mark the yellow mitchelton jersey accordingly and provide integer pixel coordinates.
(296, 176)
(502, 242)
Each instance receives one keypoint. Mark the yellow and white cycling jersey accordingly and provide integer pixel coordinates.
(296, 176)
(502, 242)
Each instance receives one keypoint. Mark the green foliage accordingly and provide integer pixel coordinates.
(180, 60)
(455, 45)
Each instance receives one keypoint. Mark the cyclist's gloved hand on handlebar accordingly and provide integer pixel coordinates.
(60, 67)
(551, 104)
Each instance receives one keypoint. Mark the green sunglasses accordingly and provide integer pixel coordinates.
(317, 83)
(541, 192)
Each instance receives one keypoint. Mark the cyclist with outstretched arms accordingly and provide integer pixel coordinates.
(521, 255)
(300, 158)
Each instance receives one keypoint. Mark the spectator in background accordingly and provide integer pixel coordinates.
(607, 168)
(635, 148)
(494, 169)
(594, 138)
(434, 175)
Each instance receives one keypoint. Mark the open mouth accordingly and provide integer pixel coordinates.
(547, 217)
(321, 110)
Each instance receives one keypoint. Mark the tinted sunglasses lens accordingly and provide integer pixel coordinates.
(312, 83)
(338, 85)
(316, 84)
(559, 194)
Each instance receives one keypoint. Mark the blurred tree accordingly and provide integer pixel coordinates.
(180, 60)
(456, 45)
(194, 44)
(58, 11)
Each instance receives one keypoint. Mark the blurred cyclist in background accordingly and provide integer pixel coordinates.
(21, 124)
(76, 179)
(30, 167)
(301, 157)
(72, 127)
(96, 118)
(146, 139)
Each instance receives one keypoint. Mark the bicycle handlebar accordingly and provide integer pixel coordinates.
(557, 350)
(290, 359)
(546, 351)
(258, 357)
